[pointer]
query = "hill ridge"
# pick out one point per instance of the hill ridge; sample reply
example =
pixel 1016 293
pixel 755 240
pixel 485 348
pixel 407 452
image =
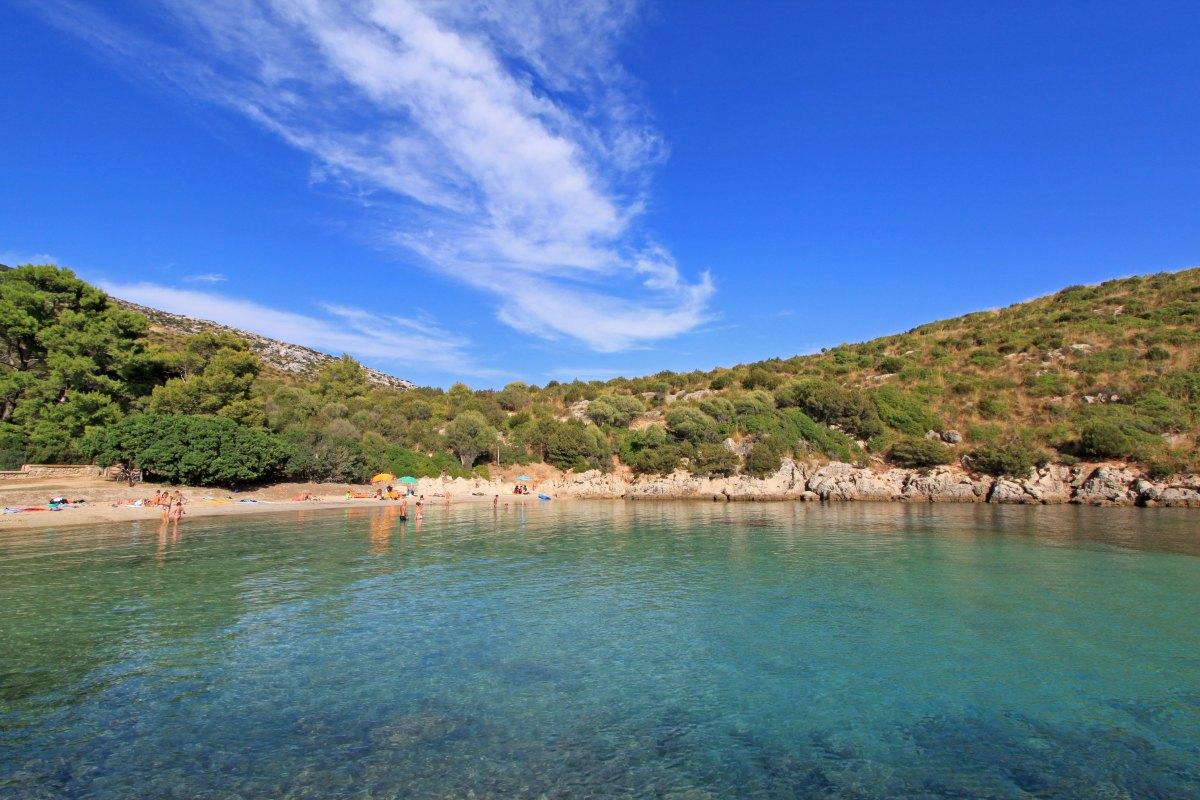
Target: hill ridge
pixel 289 357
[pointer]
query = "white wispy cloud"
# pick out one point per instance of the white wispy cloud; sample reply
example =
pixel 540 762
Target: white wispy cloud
pixel 206 277
pixel 12 258
pixel 505 130
pixel 375 337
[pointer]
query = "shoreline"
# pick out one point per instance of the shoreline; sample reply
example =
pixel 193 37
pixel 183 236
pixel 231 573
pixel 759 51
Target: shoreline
pixel 1104 484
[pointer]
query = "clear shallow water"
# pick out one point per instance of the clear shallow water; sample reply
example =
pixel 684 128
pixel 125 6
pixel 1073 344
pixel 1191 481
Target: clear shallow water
pixel 607 650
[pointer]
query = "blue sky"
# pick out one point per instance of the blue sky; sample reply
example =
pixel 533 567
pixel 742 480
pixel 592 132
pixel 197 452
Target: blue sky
pixel 492 190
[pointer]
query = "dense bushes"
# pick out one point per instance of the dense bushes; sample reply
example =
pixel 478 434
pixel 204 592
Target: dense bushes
pixel 849 409
pixel 616 410
pixel 574 445
pixel 714 459
pixel 1109 439
pixel 686 423
pixel 764 457
pixel 77 364
pixel 1012 458
pixel 905 412
pixel 919 453
pixel 183 448
pixel 650 451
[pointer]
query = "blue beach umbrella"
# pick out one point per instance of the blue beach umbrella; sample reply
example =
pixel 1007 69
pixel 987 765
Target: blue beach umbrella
pixel 408 479
pixel 524 478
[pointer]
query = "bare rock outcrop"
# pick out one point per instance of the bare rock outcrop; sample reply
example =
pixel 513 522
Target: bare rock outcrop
pixel 1084 484
pixel 946 485
pixel 1006 491
pixel 1184 493
pixel 1107 486
pixel 838 481
pixel 1049 485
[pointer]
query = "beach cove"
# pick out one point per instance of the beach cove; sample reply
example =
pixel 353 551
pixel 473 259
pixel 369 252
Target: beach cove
pixel 1104 484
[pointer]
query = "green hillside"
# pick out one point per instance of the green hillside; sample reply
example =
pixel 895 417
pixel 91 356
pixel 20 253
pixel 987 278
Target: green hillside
pixel 1096 372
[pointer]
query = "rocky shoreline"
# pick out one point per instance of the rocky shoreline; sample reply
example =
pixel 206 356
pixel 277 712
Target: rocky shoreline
pixel 1106 484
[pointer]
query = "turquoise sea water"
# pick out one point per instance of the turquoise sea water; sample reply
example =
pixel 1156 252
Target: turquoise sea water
pixel 607 650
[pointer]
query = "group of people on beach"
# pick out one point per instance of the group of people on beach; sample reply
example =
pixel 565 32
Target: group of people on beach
pixel 172 505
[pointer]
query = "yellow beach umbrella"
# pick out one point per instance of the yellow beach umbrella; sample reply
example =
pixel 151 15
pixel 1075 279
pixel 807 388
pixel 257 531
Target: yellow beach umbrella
pixel 383 477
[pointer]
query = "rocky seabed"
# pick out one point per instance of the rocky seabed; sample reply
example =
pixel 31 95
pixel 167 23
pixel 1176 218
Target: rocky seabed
pixel 1110 484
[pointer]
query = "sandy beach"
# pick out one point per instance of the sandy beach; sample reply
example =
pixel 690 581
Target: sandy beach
pixel 106 502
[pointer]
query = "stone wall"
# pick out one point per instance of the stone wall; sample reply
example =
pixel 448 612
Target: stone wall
pixel 51 471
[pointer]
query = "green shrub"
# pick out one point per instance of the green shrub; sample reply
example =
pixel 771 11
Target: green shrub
pixel 1168 465
pixel 1013 458
pixel 992 407
pixel 687 423
pixel 850 409
pixel 1157 413
pixel 1050 384
pixel 906 412
pixel 573 445
pixel 615 410
pixel 890 365
pixel 1183 385
pixel 1109 439
pixel 754 402
pixel 714 459
pixel 406 461
pixel 919 453
pixel 760 378
pixel 650 451
pixel 985 359
pixel 719 408
pixel 1157 353
pixel 764 458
